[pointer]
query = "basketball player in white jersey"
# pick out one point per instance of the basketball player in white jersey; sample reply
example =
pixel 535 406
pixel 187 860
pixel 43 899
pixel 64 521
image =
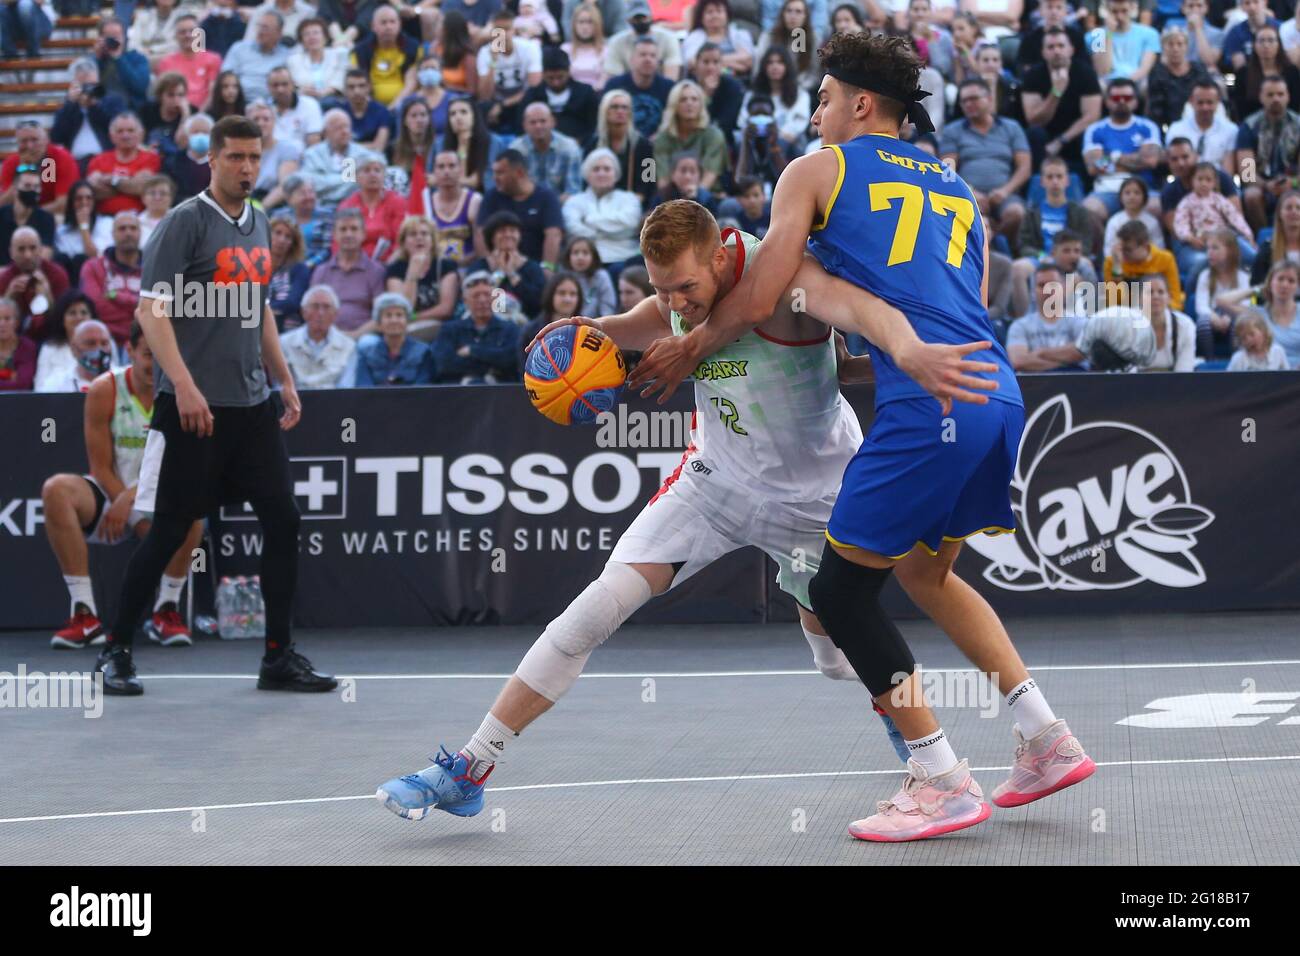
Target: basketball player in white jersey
pixel 99 508
pixel 771 439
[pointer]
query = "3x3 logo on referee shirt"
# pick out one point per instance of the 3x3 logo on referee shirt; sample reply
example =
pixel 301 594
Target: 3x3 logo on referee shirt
pixel 233 293
pixel 236 265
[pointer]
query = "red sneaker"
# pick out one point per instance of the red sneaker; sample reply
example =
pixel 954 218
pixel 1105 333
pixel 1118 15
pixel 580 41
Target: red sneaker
pixel 83 629
pixel 167 628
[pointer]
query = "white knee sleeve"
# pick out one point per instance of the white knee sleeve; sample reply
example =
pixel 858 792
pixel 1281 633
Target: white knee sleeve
pixel 554 662
pixel 830 660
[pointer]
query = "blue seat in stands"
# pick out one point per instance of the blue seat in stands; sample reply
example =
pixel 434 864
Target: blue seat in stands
pixel 1213 365
pixel 1073 192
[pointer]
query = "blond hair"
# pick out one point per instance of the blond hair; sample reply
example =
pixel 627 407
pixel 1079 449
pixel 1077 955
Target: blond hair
pixel 1253 320
pixel 669 122
pixel 411 223
pixel 597 36
pixel 678 225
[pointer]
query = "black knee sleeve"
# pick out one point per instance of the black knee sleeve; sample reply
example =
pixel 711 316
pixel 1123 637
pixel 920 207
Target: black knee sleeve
pixel 846 599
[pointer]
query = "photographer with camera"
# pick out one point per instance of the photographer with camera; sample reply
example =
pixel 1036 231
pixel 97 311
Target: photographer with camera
pixel 760 152
pixel 81 124
pixel 122 71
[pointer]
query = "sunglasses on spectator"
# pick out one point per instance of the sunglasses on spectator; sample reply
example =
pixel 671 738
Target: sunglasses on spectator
pixel 1122 97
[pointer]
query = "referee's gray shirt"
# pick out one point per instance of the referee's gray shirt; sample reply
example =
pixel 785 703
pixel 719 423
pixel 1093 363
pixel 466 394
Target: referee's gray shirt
pixel 214 272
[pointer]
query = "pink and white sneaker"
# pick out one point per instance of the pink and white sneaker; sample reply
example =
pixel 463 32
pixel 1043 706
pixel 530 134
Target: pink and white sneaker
pixel 926 807
pixel 1044 764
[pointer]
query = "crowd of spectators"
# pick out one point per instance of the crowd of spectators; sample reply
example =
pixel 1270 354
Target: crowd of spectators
pixel 443 177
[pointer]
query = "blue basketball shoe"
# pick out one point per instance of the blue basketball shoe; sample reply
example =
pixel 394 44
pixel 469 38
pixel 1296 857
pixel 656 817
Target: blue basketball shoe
pixel 446 785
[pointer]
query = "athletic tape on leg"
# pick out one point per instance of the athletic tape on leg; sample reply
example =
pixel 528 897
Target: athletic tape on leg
pixel 556 659
pixel 830 660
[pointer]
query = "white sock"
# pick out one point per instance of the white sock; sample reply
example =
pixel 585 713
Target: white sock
pixel 1029 709
pixel 79 592
pixel 830 660
pixel 487 745
pixel 169 591
pixel 933 752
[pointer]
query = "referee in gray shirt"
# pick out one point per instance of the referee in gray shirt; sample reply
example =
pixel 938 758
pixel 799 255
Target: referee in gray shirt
pixel 215 437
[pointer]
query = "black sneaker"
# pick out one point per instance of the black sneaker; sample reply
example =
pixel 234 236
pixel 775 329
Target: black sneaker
pixel 292 671
pixel 118 668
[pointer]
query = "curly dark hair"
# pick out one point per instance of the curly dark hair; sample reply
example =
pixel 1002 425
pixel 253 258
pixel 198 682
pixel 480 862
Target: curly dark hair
pixel 892 58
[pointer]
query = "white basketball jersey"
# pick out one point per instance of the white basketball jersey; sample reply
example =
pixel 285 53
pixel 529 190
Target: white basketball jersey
pixel 130 428
pixel 769 414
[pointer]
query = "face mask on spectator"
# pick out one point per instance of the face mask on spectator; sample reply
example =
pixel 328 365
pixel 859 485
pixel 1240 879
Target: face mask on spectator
pixel 29 197
pixel 431 76
pixel 199 143
pixel 95 362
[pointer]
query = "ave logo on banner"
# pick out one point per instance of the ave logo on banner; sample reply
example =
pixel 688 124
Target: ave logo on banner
pixel 1098 506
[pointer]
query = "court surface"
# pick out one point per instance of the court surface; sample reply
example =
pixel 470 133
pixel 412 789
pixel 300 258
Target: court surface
pixel 683 745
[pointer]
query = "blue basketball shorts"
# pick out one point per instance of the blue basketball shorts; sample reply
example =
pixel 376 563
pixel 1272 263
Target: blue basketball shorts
pixel 922 478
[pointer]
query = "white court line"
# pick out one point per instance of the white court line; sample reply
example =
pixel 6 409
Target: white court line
pixel 778 673
pixel 616 783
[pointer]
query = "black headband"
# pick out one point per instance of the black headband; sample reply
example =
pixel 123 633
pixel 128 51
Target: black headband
pixel 916 113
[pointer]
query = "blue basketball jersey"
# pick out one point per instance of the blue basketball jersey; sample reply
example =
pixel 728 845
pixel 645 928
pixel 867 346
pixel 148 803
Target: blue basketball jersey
pixel 898 228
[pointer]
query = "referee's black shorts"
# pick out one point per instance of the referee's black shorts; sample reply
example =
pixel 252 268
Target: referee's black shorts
pixel 244 458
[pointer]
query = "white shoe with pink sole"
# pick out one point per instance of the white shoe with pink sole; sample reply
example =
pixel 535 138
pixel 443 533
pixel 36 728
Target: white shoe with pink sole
pixel 926 807
pixel 1044 764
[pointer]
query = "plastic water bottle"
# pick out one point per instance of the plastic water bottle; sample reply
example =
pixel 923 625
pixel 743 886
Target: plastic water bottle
pixel 227 620
pixel 245 604
pixel 256 621
pixel 239 608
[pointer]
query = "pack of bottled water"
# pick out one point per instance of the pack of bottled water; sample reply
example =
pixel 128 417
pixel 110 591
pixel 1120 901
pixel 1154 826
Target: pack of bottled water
pixel 241 612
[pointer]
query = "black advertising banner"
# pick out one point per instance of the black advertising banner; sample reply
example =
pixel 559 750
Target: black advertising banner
pixel 431 506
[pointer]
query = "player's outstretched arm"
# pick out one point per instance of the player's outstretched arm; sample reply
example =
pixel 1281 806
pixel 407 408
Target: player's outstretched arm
pixel 942 370
pixel 794 207
pixel 631 331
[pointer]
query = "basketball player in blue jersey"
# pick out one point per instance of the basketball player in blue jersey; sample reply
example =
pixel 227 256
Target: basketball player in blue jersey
pixel 886 216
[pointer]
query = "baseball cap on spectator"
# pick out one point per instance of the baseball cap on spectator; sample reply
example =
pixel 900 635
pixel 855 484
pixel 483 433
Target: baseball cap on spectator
pixel 499 220
pixel 638 8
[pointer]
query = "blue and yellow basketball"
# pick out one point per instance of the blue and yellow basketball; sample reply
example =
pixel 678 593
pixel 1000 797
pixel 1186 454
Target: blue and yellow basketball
pixel 573 374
